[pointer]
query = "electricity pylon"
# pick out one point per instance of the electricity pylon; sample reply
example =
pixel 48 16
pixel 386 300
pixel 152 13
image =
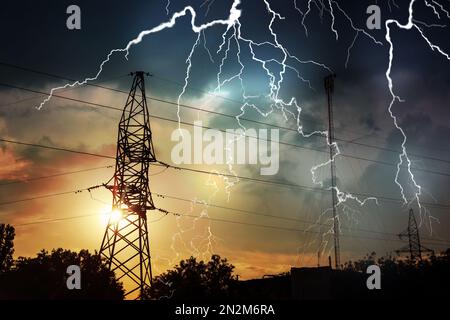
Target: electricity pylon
pixel 125 244
pixel 414 247
pixel 329 88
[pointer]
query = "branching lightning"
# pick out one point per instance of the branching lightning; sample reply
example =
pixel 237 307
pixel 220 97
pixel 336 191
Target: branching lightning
pixel 234 35
pixel 234 15
pixel 403 157
pixel 167 7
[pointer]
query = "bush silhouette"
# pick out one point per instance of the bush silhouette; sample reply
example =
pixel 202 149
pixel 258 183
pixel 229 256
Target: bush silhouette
pixel 193 280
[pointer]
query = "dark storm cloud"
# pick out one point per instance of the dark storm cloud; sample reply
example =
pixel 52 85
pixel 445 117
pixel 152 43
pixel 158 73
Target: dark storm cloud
pixel 369 122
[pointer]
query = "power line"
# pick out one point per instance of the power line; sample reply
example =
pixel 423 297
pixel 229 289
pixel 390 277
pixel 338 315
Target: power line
pixel 43 196
pixel 152 116
pixel 292 129
pixel 270 226
pixel 54 220
pixel 242 211
pixel 56 148
pixel 205 127
pixel 53 175
pixel 60 97
pixel 303 187
pixel 51 220
pixel 182 84
pixel 209 111
pixel 62 90
pixel 432 241
pixel 272 182
pixel 216 112
pixel 173 213
pixel 180 199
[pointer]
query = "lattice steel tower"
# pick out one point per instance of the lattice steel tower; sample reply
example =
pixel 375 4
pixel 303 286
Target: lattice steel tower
pixel 414 247
pixel 125 244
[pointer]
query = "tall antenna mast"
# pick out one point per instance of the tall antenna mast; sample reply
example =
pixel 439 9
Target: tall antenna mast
pixel 329 88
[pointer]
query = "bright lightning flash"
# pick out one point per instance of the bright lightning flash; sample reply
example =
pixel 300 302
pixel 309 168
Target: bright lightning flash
pixel 289 108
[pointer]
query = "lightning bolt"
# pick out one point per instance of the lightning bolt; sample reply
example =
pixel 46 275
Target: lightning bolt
pixel 199 30
pixel 403 157
pixel 289 108
pixel 234 15
pixel 167 7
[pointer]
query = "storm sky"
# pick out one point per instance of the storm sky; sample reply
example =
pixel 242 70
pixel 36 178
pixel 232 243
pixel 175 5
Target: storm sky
pixel 34 36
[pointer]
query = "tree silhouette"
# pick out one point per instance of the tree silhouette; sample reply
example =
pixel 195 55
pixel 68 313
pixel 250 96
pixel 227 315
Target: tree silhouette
pixel 44 277
pixel 7 234
pixel 194 280
pixel 401 277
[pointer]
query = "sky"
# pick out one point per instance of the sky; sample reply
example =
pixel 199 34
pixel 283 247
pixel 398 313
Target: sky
pixel 276 226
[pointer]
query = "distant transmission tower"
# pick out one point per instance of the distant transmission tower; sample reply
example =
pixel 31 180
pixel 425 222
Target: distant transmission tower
pixel 125 244
pixel 414 247
pixel 329 88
